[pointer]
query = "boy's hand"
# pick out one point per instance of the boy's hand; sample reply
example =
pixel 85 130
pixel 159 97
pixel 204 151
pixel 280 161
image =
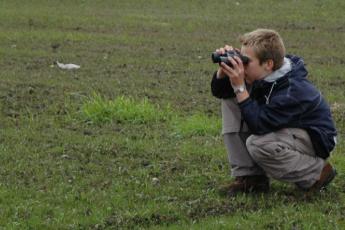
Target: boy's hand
pixel 223 50
pixel 236 74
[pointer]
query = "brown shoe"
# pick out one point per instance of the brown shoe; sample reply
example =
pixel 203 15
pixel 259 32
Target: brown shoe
pixel 327 175
pixel 246 184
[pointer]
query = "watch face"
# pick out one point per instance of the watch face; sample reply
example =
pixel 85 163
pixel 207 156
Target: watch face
pixel 239 89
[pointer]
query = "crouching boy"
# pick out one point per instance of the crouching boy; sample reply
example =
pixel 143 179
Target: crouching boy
pixel 276 124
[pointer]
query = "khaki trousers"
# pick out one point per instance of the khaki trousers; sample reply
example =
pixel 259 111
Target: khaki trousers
pixel 286 155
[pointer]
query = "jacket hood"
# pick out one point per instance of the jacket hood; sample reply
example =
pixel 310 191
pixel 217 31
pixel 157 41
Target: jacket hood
pixel 298 70
pixel 281 72
pixel 297 67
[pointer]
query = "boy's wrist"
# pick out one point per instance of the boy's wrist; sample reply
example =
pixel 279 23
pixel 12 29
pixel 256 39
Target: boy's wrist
pixel 239 89
pixel 242 96
pixel 220 75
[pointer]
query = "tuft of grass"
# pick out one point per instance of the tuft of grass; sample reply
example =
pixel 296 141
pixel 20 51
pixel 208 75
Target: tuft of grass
pixel 122 109
pixel 126 110
pixel 197 124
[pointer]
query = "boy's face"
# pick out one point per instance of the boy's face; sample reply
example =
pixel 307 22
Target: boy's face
pixel 253 70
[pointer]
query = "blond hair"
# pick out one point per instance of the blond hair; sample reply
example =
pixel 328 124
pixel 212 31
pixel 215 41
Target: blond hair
pixel 267 44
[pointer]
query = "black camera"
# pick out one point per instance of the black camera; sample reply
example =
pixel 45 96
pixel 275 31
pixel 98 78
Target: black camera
pixel 218 58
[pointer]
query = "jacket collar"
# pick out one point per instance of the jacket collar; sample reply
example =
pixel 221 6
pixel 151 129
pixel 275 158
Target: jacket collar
pixel 262 87
pixel 282 71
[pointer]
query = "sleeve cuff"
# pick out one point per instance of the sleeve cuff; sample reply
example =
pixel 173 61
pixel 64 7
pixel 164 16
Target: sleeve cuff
pixel 245 102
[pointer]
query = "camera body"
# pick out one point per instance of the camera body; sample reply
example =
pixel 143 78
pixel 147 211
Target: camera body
pixel 218 58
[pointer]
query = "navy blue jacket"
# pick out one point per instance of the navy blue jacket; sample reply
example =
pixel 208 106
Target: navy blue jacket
pixel 293 103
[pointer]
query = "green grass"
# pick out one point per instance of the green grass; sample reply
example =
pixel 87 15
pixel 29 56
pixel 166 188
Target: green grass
pixel 145 151
pixel 99 110
pixel 197 124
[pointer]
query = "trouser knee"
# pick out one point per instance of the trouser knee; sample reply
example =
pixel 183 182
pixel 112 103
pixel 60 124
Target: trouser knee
pixel 258 147
pixel 251 145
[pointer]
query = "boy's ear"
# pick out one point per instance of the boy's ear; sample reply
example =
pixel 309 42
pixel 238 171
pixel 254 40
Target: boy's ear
pixel 269 65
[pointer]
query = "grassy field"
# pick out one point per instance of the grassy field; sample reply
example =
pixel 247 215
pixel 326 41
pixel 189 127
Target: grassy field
pixel 132 140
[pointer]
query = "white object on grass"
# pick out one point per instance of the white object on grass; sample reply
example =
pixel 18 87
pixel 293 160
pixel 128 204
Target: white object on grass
pixel 67 66
pixel 155 180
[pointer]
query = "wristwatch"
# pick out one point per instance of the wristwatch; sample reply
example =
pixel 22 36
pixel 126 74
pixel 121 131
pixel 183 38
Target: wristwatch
pixel 239 89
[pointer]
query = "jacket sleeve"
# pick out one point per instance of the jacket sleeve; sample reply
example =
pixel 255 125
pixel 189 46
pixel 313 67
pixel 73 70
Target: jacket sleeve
pixel 265 118
pixel 221 88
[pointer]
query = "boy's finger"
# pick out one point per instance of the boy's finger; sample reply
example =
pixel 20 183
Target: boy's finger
pixel 228 48
pixel 233 62
pixel 239 61
pixel 227 69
